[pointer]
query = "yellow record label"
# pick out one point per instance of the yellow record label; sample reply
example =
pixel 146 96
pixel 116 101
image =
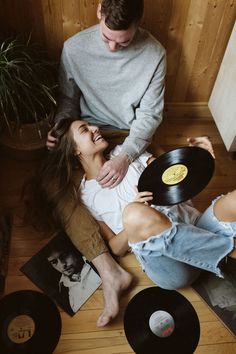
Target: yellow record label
pixel 174 174
pixel 21 329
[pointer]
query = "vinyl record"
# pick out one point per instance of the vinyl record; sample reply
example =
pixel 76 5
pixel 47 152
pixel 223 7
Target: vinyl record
pixel 161 321
pixel 30 323
pixel 177 175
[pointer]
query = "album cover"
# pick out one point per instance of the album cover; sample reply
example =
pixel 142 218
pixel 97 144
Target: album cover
pixel 63 274
pixel 220 296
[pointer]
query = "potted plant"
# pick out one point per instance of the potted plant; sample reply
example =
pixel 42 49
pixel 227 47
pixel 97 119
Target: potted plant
pixel 27 93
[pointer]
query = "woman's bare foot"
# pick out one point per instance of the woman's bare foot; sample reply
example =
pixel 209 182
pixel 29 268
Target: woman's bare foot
pixel 115 280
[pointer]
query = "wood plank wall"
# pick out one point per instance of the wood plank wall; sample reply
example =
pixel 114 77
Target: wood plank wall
pixel 194 32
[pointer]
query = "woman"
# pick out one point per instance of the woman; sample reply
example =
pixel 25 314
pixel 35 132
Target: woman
pixel 52 205
pixel 173 244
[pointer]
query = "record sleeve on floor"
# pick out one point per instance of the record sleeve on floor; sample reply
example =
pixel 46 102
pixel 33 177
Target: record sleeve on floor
pixel 220 294
pixel 63 273
pixel 161 321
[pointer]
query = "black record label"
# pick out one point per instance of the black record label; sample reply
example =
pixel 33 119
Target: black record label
pixel 30 323
pixel 177 175
pixel 161 321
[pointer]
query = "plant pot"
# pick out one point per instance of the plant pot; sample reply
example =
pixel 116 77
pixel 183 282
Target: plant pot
pixel 27 142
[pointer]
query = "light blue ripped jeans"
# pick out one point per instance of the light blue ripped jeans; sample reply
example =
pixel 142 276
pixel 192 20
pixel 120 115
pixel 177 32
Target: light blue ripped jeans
pixel 176 258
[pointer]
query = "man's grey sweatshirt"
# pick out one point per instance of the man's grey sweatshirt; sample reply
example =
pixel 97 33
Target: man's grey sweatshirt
pixel 122 89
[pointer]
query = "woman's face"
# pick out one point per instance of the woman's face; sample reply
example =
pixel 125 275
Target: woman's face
pixel 87 138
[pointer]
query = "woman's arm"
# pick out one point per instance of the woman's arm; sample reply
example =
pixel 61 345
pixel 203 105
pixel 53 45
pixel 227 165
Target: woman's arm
pixel 117 243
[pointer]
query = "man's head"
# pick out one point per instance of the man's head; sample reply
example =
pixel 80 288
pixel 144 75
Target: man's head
pixel 121 14
pixel 119 20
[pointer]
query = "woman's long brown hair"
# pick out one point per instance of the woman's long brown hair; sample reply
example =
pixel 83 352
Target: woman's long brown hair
pixel 50 197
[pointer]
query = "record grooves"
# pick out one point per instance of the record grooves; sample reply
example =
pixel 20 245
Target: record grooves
pixel 30 323
pixel 175 327
pixel 177 175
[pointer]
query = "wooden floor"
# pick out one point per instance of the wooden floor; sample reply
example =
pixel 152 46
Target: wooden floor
pixel 80 334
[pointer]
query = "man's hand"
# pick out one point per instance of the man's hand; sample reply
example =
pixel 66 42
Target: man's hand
pixel 51 141
pixel 113 171
pixel 202 142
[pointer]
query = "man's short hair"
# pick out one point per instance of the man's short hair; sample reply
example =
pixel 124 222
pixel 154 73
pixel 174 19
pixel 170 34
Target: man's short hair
pixel 121 14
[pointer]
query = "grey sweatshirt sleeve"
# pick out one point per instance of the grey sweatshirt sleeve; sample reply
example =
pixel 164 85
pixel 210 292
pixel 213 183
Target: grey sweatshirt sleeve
pixel 148 113
pixel 69 92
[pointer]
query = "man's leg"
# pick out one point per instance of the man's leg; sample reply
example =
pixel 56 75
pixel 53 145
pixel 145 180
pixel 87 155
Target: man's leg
pixel 115 280
pixel 84 232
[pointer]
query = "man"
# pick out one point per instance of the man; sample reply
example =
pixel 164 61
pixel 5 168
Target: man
pixel 112 75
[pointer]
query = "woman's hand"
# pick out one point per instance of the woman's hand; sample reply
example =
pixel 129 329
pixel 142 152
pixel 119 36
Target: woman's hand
pixel 143 197
pixel 202 142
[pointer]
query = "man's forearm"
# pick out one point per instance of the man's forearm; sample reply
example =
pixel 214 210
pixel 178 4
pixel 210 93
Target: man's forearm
pixel 148 114
pixel 139 139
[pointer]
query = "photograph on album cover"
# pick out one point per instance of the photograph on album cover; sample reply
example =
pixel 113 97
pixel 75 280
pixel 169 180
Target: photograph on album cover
pixel 63 273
